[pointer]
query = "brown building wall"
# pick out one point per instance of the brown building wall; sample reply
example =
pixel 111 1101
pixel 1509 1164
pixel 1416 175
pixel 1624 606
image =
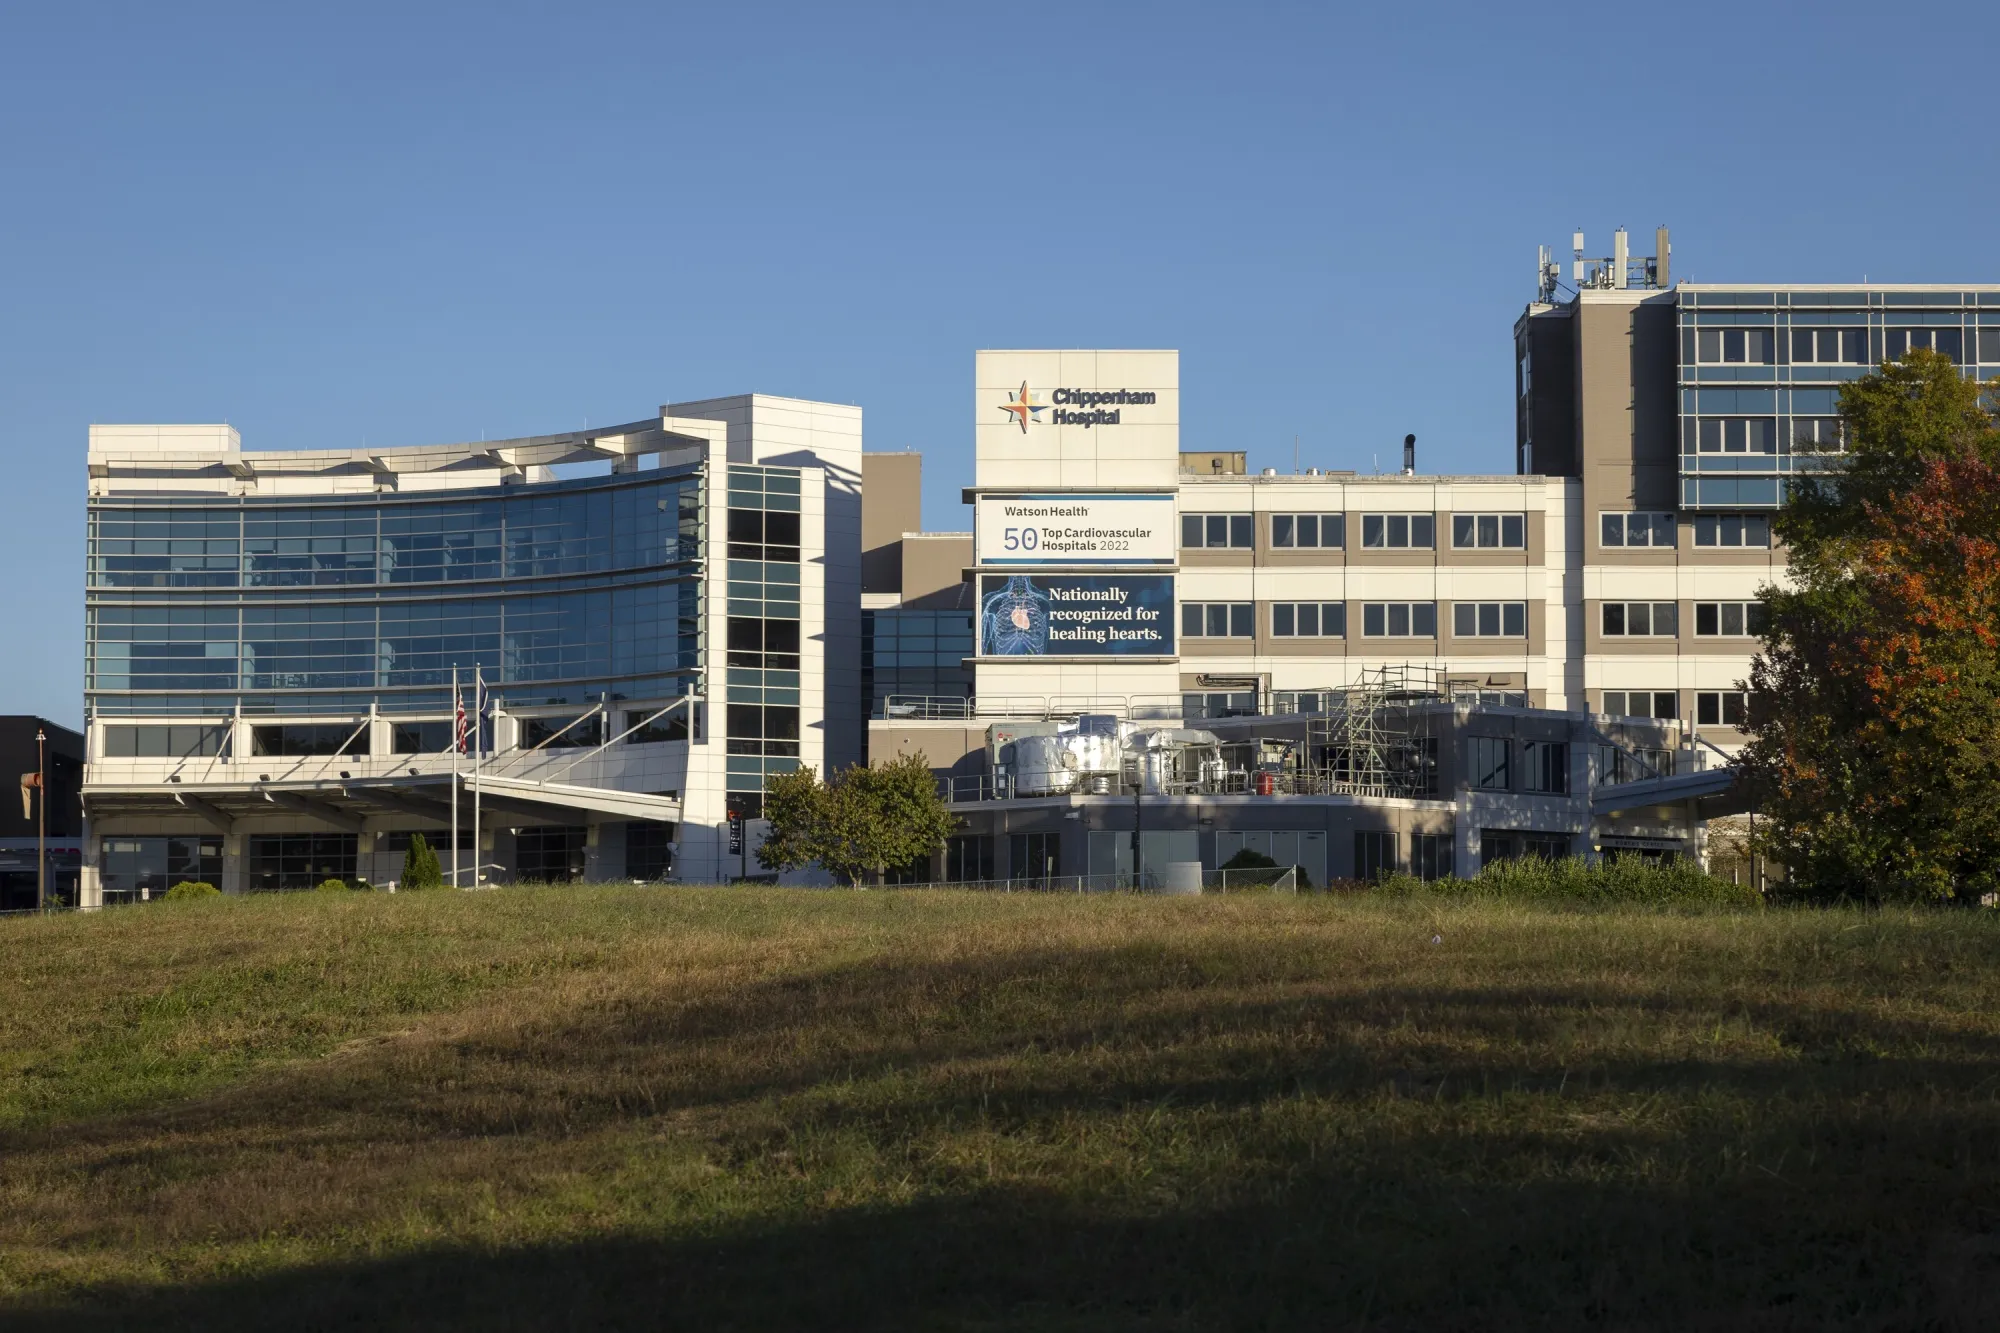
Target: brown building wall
pixel 891 505
pixel 933 570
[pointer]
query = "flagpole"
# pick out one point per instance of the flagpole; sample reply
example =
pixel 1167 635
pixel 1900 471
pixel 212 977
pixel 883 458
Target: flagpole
pixel 457 742
pixel 478 704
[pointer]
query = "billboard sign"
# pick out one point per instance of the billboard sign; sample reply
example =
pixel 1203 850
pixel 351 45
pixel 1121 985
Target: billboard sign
pixel 1054 615
pixel 1076 530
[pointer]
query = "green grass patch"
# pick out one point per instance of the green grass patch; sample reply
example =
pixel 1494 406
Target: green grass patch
pixel 599 1107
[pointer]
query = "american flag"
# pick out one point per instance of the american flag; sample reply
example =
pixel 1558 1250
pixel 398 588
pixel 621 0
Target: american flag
pixel 458 734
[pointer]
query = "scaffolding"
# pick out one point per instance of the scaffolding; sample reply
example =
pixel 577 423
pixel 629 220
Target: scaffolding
pixel 1366 742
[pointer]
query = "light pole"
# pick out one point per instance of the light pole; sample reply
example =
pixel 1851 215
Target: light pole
pixel 42 820
pixel 1138 816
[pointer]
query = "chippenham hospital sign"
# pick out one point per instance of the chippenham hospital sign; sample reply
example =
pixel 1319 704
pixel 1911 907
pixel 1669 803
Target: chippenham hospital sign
pixel 1076 529
pixel 1073 407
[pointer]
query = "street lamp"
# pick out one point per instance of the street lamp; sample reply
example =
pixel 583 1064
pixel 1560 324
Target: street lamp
pixel 42 820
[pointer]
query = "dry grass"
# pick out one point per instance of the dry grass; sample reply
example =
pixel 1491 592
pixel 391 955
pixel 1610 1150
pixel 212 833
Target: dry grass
pixel 728 1108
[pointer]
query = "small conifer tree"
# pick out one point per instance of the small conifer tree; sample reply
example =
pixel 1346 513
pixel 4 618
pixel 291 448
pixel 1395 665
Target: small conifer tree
pixel 420 865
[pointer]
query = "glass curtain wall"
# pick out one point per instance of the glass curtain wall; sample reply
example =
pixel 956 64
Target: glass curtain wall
pixel 560 593
pixel 1760 376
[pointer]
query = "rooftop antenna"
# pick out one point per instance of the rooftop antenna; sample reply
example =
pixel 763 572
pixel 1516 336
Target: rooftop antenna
pixel 1295 455
pixel 1409 455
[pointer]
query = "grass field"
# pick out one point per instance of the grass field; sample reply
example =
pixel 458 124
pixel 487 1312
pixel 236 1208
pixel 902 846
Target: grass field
pixel 746 1109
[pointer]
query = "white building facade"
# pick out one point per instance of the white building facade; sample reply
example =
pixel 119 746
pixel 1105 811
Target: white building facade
pixel 1094 525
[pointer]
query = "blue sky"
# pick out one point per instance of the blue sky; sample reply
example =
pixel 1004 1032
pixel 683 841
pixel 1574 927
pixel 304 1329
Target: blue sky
pixel 416 223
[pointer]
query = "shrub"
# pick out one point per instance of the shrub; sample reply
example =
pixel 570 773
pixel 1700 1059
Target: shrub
pixel 330 886
pixel 191 888
pixel 420 865
pixel 1573 880
pixel 1248 859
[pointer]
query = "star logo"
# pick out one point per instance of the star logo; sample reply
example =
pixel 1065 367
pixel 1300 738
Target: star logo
pixel 1022 406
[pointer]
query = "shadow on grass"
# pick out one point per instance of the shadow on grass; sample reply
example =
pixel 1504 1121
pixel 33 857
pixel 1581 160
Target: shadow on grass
pixel 1839 1176
pixel 1378 1252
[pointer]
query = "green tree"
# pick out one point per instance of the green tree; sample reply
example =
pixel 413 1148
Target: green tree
pixel 420 865
pixel 1875 703
pixel 862 822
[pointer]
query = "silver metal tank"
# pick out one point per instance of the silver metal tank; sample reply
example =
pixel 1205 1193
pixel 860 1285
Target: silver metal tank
pixel 1044 765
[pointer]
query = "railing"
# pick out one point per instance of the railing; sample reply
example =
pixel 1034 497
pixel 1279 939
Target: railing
pixel 970 787
pixel 1188 704
pixel 1277 879
pixel 1147 882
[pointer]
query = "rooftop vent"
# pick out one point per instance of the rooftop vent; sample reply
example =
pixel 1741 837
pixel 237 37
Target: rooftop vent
pixel 1409 455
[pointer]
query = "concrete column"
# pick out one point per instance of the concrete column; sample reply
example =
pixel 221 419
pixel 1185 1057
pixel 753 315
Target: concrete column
pixel 1465 839
pixel 235 867
pixel 89 877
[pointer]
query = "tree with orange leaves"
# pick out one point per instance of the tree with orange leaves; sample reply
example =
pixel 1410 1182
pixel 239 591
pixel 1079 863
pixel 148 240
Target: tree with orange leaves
pixel 1875 703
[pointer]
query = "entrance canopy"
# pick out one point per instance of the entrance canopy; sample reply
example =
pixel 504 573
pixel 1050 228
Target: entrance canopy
pixel 346 804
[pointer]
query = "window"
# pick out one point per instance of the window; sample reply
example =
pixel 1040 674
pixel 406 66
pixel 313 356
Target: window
pixel 1616 766
pixel 279 861
pixel 672 727
pixel 310 738
pixel 766 729
pixel 1739 435
pixel 649 851
pixel 1486 620
pixel 1243 704
pixel 770 644
pixel 1545 767
pixel 1032 856
pixel 561 733
pixel 1326 531
pixel 1374 854
pixel 760 534
pixel 1399 531
pixel 1489 531
pixel 1497 845
pixel 421 737
pixel 1897 343
pixel 1732 530
pixel 1642 703
pixel 550 855
pixel 1818 435
pixel 1989 346
pixel 1417 765
pixel 1728 619
pixel 1636 529
pixel 184 741
pixel 1430 855
pixel 968 859
pixel 1309 620
pixel 1489 757
pixel 1721 708
pixel 1721 347
pixel 1223 530
pixel 134 869
pixel 1847 347
pixel 1218 620
pixel 438 840
pixel 1399 620
pixel 1640 620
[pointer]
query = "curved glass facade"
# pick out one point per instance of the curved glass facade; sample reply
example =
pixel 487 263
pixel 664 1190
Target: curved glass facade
pixel 560 591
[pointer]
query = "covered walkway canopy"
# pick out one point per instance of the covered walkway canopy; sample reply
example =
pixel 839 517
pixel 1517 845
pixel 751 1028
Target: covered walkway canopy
pixel 346 804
